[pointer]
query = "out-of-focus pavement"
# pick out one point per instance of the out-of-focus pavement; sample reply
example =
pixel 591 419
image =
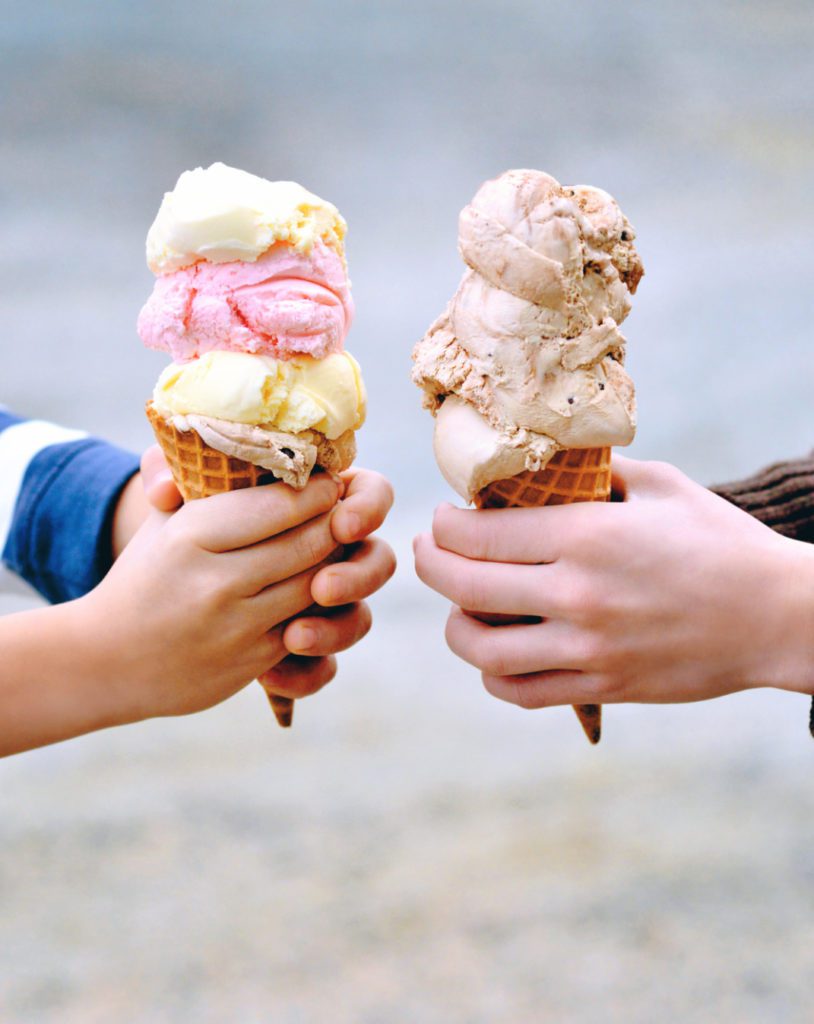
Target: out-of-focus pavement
pixel 414 851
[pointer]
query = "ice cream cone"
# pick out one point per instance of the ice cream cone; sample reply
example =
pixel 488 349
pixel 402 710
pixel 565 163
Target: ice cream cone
pixel 252 301
pixel 199 472
pixel 575 474
pixel 283 708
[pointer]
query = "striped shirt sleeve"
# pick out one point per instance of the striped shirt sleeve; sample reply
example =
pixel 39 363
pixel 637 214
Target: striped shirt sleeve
pixel 58 492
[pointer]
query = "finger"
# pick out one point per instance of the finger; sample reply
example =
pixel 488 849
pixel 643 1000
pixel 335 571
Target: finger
pixel 259 565
pixel 514 650
pixel 530 536
pixel 297 677
pixel 545 689
pixel 488 586
pixel 497 535
pixel 282 601
pixel 633 478
pixel 369 567
pixel 224 522
pixel 368 499
pixel 159 487
pixel 268 652
pixel 332 631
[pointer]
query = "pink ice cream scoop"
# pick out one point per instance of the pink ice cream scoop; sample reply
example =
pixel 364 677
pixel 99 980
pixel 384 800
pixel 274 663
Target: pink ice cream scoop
pixel 284 304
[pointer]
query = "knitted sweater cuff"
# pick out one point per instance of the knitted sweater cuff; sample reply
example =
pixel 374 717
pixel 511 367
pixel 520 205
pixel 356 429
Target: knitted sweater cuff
pixel 781 496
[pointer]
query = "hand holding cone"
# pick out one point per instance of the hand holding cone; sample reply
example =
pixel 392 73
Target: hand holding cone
pixel 575 474
pixel 252 301
pixel 527 359
pixel 199 472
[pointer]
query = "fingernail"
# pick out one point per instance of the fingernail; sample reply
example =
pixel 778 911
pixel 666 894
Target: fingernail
pixel 306 638
pixel 332 587
pixel 445 506
pixel 353 524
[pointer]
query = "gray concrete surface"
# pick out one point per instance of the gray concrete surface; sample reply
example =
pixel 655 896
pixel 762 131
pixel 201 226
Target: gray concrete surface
pixel 414 851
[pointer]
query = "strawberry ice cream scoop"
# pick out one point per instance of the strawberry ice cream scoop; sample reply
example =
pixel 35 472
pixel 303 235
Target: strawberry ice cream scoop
pixel 285 303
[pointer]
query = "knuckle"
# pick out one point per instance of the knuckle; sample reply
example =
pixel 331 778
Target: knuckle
pixel 664 472
pixel 389 562
pixel 313 680
pixel 592 649
pixel 467 591
pixel 481 536
pixel 274 650
pixel 609 688
pixel 513 691
pixel 314 544
pixel 420 558
pixel 281 501
pixel 212 591
pixel 388 495
pixel 524 696
pixel 466 595
pixel 452 629
pixel 364 620
pixel 578 601
pixel 491 658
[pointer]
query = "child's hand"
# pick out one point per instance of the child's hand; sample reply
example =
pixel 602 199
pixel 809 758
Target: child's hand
pixel 339 589
pixel 669 595
pixel 156 477
pixel 340 617
pixel 153 487
pixel 196 605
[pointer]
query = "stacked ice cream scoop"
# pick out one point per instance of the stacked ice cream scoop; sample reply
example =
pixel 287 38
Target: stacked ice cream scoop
pixel 253 304
pixel 524 369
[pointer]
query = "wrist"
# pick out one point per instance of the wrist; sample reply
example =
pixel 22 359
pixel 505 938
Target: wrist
pixel 131 511
pixel 788 662
pixel 112 697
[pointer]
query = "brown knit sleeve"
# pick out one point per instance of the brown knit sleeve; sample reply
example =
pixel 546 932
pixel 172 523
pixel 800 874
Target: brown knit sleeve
pixel 781 496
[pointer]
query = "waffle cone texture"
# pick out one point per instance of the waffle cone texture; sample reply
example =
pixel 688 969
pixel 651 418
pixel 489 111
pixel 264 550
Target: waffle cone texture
pixel 575 474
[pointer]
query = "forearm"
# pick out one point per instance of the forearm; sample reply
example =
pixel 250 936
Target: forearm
pixel 52 685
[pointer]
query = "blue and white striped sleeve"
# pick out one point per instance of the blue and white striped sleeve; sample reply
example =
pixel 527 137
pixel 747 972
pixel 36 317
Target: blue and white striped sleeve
pixel 58 492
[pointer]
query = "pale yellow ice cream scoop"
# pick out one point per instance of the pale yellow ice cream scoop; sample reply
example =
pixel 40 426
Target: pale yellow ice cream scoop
pixel 221 214
pixel 290 395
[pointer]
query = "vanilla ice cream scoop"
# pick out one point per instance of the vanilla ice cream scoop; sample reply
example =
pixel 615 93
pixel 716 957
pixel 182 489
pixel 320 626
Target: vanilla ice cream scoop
pixel 253 303
pixel 529 345
pixel 221 214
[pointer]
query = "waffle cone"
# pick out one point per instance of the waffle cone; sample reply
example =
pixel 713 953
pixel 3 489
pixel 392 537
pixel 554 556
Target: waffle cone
pixel 575 474
pixel 200 471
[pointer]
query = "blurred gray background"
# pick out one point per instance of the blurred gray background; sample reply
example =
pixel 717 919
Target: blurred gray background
pixel 413 851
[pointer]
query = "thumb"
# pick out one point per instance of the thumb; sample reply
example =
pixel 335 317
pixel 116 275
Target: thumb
pixel 159 486
pixel 633 478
